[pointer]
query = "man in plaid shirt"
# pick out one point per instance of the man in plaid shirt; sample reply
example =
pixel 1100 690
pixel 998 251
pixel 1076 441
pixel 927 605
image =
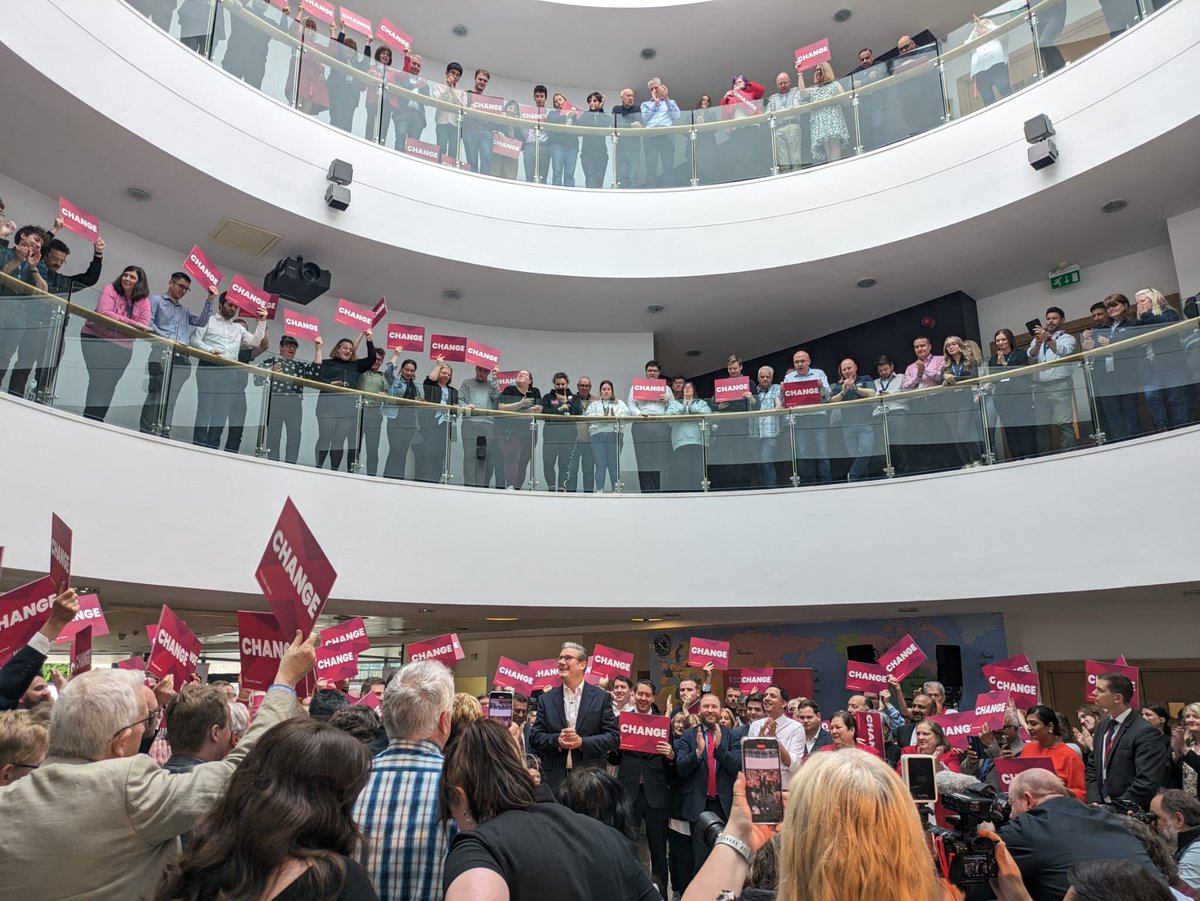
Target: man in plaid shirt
pixel 404 845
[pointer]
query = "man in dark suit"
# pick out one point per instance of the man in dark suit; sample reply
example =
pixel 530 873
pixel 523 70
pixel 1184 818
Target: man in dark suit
pixel 708 761
pixel 1051 830
pixel 1129 758
pixel 26 664
pixel 575 724
pixel 643 778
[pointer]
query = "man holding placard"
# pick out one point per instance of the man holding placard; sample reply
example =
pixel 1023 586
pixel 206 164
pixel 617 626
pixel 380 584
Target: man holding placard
pixel 287 397
pixel 216 382
pixel 643 777
pixel 651 440
pixel 812 464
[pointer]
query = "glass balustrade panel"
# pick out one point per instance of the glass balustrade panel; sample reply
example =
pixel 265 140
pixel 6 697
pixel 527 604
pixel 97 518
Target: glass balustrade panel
pixel 258 47
pixel 987 59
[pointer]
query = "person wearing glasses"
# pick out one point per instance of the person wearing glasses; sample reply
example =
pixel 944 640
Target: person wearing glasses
pixel 575 725
pixel 919 89
pixel 126 812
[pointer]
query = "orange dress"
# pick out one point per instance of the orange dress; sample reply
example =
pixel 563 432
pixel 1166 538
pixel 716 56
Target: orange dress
pixel 1067 765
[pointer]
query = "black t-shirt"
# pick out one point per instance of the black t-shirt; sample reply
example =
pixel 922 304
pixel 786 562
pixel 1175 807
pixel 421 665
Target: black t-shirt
pixel 552 852
pixel 511 395
pixel 357 887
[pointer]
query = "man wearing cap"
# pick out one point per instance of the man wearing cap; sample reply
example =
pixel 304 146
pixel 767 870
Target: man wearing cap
pixel 287 397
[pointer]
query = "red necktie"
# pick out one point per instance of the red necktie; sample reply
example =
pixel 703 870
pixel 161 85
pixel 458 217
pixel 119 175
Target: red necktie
pixel 712 769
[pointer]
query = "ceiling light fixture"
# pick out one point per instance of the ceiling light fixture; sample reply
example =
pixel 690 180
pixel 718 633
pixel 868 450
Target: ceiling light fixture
pixel 501 619
pixel 691 353
pixel 452 294
pixel 1114 206
pixel 141 195
pixel 649 53
pixel 866 282
pixel 842 15
pixel 459 31
pixel 426 610
pixel 655 308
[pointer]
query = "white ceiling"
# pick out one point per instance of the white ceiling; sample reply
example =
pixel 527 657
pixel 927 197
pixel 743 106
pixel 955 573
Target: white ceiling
pixel 700 46
pixel 54 152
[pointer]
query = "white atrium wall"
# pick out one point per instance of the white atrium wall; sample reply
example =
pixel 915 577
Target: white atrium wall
pixel 1185 238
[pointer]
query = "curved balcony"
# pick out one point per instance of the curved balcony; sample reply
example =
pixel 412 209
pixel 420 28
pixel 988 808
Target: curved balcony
pixel 748 138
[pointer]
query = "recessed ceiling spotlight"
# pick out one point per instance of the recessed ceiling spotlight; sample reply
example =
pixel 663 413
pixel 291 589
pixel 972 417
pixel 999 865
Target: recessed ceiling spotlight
pixel 426 610
pixel 691 353
pixel 655 308
pixel 501 619
pixel 141 195
pixel 649 53
pixel 1114 206
pixel 459 31
pixel 866 283
pixel 842 15
pixel 452 294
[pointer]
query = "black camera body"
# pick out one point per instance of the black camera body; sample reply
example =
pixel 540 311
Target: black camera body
pixel 1129 809
pixel 971 857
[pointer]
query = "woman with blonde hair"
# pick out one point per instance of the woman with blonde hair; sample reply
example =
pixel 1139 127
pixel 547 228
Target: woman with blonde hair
pixel 850 830
pixel 1163 373
pixel 1185 750
pixel 827 129
pixel 962 411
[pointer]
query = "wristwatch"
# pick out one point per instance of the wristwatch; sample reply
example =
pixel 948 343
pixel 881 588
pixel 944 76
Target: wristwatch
pixel 736 843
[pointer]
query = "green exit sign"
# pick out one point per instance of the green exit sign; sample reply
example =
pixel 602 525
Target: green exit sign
pixel 1065 278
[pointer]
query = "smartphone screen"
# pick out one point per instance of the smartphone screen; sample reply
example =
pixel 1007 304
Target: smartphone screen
pixel 917 770
pixel 500 706
pixel 764 780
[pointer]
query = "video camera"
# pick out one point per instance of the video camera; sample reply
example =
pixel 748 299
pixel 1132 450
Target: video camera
pixel 1129 809
pixel 965 857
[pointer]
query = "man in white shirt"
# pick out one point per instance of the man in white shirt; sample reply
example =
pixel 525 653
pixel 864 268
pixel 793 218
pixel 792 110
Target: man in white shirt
pixel 651 440
pixel 1053 390
pixel 889 384
pixel 216 382
pixel 812 464
pixel 789 733
pixel 789 138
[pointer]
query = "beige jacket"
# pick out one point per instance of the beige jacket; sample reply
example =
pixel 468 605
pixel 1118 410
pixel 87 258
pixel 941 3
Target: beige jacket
pixel 104 830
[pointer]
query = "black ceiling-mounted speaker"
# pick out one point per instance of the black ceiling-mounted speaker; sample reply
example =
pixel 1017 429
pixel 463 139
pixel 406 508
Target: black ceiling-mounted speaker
pixel 862 653
pixel 949 665
pixel 296 280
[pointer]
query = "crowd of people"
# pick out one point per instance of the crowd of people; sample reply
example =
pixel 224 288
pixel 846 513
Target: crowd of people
pixel 332 80
pixel 932 421
pixel 206 792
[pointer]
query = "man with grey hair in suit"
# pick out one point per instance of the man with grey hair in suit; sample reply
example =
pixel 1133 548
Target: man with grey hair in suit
pixel 98 820
pixel 575 725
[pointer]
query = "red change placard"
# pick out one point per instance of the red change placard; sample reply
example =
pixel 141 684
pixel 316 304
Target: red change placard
pixel 261 644
pixel 649 389
pixel 1023 686
pixel 533 113
pixel 378 312
pixel 545 674
pixel 1093 669
pixel 198 266
pixel 608 661
pixel 370 699
pixel 486 103
pixel 359 23
pixel 642 732
pixel 725 390
pixel 60 553
pixel 868 729
pixel 250 299
pixel 813 55
pixel 23 611
pixel 89 615
pixel 453 163
pixel 81 652
pixel 336 663
pixel 351 314
pixel 481 355
pixel 449 347
pixel 76 220
pixel 705 650
pixel 503 145
pixel 445 649
pixel 176 650
pixel 136 663
pixel 405 337
pixel 513 675
pixel 750 679
pixel 958 727
pixel 1008 767
pixel 299 325
pixel 423 149
pixel 990 709
pixel 509 377
pixel 1020 663
pixel 865 676
pixel 352 632
pixel 801 394
pixel 321 10
pixel 294 573
pixel 902 658
pixel 393 36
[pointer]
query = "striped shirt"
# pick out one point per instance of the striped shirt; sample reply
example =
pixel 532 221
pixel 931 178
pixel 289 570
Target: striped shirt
pixel 404 846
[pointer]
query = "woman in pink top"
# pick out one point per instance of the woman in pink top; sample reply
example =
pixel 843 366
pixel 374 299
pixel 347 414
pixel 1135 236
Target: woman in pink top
pixel 106 351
